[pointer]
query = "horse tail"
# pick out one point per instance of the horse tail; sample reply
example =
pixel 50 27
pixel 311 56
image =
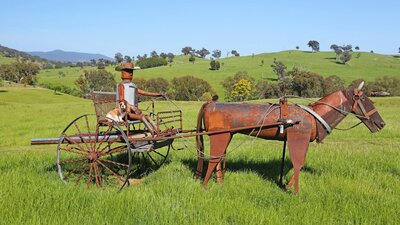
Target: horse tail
pixel 200 142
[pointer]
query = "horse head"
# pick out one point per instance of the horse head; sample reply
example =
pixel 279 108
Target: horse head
pixel 364 109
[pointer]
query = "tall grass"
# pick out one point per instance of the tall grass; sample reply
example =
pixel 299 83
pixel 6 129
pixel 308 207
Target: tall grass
pixel 352 178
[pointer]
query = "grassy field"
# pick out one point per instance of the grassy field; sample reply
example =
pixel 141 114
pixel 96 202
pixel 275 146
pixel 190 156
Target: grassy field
pixel 368 67
pixel 6 60
pixel 353 178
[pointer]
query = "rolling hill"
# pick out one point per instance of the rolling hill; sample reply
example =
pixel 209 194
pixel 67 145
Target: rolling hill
pixel 66 56
pixel 368 66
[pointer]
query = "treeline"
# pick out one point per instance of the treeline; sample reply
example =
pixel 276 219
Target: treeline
pixel 19 72
pixel 186 88
pixel 241 86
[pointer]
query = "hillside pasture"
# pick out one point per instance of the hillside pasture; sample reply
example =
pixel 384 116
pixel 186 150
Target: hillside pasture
pixel 352 178
pixel 367 67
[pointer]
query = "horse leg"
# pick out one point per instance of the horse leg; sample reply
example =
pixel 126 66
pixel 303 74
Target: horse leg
pixel 298 140
pixel 220 176
pixel 218 145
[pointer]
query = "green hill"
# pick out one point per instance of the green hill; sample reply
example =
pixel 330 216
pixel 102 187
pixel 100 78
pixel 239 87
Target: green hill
pixel 368 66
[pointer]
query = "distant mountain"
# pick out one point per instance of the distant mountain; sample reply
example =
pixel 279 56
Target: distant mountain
pixel 64 56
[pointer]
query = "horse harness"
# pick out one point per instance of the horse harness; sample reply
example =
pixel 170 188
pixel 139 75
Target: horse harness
pixel 358 97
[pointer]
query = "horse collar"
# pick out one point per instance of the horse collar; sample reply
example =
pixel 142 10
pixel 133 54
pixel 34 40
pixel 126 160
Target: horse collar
pixel 318 117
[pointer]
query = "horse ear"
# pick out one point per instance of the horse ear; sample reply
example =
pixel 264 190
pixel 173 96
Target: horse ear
pixel 361 85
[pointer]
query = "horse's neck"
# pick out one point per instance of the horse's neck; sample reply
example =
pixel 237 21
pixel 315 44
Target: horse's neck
pixel 332 116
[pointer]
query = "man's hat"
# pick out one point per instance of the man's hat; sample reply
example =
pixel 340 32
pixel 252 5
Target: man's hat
pixel 127 66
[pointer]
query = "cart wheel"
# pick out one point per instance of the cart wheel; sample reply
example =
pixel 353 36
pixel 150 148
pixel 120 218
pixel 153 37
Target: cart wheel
pixel 93 150
pixel 145 162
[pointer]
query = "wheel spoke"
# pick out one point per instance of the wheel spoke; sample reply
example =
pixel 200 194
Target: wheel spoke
pixel 74 170
pixel 117 149
pixel 113 162
pixel 96 175
pixel 90 175
pixel 74 142
pixel 72 160
pixel 105 136
pixel 164 156
pixel 81 175
pixel 111 171
pixel 80 136
pixel 73 151
pixel 92 143
pixel 152 159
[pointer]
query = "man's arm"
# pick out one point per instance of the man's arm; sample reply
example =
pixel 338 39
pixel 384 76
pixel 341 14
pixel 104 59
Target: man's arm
pixel 146 93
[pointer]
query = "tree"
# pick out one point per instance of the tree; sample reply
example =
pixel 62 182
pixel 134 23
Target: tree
pixel 297 47
pixel 192 58
pixel 139 57
pixel 216 54
pixel 158 84
pixel 20 72
pixel 332 83
pixel 202 52
pixel 334 47
pixel 271 90
pixel 128 58
pixel 93 62
pixel 228 83
pixel 399 50
pixel 241 90
pixel 154 54
pixel 235 53
pixel 171 57
pixel 346 56
pixel 118 57
pixel 357 48
pixel 187 50
pixel 314 45
pixel 189 88
pixel 279 69
pixel 98 80
pixel 163 55
pixel 307 84
pixel 101 64
pixel 214 65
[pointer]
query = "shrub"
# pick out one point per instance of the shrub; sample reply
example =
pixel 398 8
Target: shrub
pixel 98 80
pixel 214 65
pixel 229 82
pixel 145 63
pixel 241 90
pixel 189 88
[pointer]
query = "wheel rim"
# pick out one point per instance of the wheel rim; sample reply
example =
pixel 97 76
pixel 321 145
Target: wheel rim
pixel 93 152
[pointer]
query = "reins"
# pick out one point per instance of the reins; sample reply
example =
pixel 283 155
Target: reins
pixel 333 107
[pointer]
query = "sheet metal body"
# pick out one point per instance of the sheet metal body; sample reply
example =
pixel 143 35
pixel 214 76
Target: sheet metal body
pixel 330 110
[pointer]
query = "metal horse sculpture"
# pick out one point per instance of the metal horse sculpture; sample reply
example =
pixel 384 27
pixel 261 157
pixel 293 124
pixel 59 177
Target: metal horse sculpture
pixel 295 124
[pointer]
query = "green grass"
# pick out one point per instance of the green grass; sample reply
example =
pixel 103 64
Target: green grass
pixel 353 178
pixel 6 60
pixel 368 67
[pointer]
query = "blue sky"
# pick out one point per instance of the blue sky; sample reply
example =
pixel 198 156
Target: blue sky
pixel 138 27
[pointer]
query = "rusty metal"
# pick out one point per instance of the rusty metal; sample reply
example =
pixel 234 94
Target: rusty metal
pixel 92 156
pixel 227 117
